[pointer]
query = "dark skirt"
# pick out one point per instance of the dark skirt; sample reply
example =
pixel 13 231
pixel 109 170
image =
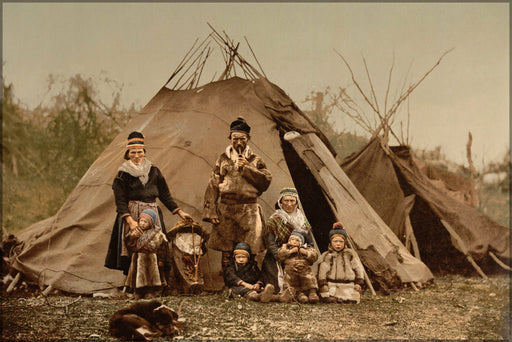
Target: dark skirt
pixel 270 271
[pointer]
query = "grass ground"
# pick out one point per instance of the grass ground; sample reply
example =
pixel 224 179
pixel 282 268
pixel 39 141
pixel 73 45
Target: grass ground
pixel 453 308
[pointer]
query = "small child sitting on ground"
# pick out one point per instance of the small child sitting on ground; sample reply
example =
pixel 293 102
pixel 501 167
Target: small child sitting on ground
pixel 340 273
pixel 299 280
pixel 243 277
pixel 144 277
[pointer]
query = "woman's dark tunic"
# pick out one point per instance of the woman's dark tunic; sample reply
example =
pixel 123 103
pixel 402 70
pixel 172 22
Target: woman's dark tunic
pixel 128 188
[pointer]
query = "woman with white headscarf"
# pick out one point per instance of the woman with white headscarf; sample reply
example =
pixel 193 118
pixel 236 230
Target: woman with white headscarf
pixel 287 218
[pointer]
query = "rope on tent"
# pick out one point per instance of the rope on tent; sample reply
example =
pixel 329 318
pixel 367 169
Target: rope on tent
pixel 463 248
pixel 499 262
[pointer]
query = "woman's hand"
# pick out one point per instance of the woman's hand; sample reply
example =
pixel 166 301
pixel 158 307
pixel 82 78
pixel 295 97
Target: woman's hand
pixel 185 216
pixel 358 288
pixel 303 251
pixel 134 226
pixel 256 287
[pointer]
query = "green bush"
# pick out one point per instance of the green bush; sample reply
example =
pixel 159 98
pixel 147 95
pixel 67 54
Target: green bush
pixel 45 151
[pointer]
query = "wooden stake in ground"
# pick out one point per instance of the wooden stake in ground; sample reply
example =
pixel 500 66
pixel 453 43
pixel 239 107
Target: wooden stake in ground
pixel 15 281
pixel 463 248
pixel 471 171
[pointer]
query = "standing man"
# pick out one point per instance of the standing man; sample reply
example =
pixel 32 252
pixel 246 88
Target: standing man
pixel 230 201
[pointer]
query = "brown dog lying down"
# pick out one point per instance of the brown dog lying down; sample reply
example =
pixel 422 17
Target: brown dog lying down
pixel 143 321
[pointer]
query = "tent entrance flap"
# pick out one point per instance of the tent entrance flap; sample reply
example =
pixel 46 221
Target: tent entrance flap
pixel 379 248
pixel 312 196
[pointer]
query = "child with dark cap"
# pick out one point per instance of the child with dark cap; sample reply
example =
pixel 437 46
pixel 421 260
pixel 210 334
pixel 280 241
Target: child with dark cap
pixel 243 277
pixel 299 281
pixel 340 273
pixel 144 277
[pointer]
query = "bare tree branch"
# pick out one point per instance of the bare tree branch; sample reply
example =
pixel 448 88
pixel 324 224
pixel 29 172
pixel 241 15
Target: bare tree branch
pixel 371 85
pixel 389 83
pixel 357 84
pixel 413 86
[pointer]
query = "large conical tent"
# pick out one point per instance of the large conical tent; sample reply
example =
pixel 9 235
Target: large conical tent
pixel 186 127
pixel 447 230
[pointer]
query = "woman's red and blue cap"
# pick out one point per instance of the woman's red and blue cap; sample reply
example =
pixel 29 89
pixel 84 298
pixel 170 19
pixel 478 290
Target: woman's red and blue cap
pixel 135 140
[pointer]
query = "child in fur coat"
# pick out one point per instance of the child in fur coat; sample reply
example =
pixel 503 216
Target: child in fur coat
pixel 243 277
pixel 340 273
pixel 299 281
pixel 144 277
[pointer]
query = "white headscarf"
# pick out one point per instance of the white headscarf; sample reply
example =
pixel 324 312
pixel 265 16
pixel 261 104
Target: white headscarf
pixel 296 219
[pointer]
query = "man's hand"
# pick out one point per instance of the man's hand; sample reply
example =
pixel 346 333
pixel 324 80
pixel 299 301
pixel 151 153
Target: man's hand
pixel 256 287
pixel 242 162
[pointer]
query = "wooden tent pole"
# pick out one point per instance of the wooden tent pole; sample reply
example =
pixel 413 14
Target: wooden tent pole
pixel 415 288
pixel 366 278
pixel 14 282
pixel 464 249
pixel 499 262
pixel 412 237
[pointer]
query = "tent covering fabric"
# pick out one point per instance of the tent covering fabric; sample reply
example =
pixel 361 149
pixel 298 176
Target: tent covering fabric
pixel 185 131
pixel 374 241
pixel 389 177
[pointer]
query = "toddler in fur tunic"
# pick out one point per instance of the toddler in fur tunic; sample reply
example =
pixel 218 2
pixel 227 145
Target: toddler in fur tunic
pixel 144 275
pixel 340 273
pixel 299 280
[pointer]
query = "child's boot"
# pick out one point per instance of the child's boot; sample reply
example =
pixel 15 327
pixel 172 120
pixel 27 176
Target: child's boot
pixel 302 298
pixel 252 295
pixel 313 297
pixel 275 298
pixel 267 293
pixel 329 299
pixel 286 296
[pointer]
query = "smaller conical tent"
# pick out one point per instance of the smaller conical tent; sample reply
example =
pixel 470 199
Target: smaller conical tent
pixel 185 128
pixel 446 230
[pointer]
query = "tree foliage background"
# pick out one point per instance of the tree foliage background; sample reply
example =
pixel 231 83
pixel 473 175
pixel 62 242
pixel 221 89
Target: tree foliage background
pixel 45 151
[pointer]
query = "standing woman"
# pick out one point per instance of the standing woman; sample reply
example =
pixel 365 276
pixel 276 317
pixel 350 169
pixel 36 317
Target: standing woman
pixel 136 187
pixel 287 218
